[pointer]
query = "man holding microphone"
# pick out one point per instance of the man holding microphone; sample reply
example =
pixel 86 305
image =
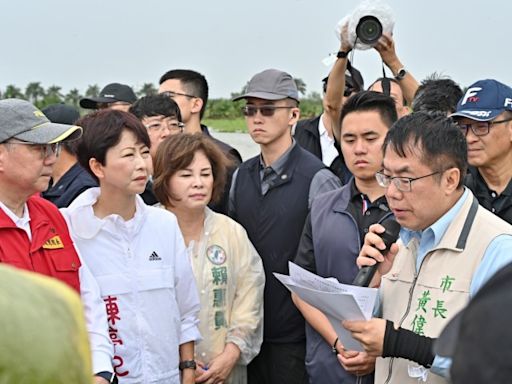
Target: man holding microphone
pixel 448 248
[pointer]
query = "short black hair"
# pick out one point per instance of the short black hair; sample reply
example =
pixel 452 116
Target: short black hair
pixel 102 131
pixel 194 83
pixel 437 93
pixel 371 101
pixel 155 105
pixel 440 142
pixel 389 80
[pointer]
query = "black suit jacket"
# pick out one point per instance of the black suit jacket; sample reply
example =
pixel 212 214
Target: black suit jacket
pixel 308 137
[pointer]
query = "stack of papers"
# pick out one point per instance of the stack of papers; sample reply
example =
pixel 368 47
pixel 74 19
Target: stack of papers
pixel 337 301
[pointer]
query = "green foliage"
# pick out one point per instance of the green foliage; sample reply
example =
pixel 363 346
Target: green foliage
pixel 147 89
pixel 226 125
pixel 92 90
pixel 13 92
pixel 219 110
pixel 73 97
pixel 223 109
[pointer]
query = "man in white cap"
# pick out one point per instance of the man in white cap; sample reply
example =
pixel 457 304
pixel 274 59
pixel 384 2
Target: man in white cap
pixel 33 234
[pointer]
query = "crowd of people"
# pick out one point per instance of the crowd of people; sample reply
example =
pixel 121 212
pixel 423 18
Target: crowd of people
pixel 165 241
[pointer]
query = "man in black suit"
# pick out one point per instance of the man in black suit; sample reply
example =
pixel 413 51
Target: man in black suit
pixel 316 135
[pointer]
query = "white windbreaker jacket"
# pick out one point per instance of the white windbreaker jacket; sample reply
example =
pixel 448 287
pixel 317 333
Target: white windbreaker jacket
pixel 146 282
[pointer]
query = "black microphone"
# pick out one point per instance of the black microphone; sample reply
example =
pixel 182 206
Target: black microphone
pixel 389 236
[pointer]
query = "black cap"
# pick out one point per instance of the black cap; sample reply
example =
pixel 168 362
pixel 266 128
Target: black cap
pixel 479 338
pixel 354 81
pixel 110 94
pixel 61 114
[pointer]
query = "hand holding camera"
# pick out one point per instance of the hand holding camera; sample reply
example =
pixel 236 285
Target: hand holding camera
pixel 366 24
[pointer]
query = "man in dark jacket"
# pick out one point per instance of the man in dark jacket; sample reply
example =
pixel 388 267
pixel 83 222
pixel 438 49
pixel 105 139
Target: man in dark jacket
pixel 336 226
pixel 270 196
pixel 69 179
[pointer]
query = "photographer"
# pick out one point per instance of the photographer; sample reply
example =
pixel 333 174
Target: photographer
pixel 408 84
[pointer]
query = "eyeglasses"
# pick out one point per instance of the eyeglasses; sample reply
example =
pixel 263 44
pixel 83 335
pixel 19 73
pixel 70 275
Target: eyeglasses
pixel 170 124
pixel 403 184
pixel 480 128
pixel 265 110
pixel 172 94
pixel 46 150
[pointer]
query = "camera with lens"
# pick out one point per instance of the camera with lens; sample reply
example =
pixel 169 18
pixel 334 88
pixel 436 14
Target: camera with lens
pixel 369 30
pixel 367 23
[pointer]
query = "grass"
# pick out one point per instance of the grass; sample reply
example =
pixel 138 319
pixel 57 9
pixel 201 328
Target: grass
pixel 226 125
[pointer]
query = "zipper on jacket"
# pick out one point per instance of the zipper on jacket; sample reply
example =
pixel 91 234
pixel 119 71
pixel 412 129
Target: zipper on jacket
pixel 411 290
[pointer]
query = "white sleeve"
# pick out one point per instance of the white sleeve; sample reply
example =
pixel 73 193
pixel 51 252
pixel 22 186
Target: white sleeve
pixel 186 292
pixel 102 348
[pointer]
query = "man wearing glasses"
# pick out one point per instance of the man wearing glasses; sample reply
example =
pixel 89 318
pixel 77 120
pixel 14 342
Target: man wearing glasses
pixel 449 246
pixel 161 116
pixel 484 114
pixel 270 196
pixel 189 89
pixel 33 234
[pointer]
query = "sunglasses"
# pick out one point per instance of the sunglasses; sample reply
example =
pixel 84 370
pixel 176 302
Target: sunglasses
pixel 265 110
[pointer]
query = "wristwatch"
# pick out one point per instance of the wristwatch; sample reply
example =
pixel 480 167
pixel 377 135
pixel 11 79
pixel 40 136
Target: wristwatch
pixel 187 364
pixel 342 54
pixel 109 376
pixel 401 74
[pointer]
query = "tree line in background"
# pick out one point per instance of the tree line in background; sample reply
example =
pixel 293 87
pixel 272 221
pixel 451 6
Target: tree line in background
pixel 221 108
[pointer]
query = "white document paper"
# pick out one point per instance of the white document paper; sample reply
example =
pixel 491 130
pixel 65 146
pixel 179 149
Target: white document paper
pixel 337 301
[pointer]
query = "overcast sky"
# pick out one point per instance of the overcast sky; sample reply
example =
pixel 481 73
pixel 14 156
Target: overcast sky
pixel 76 43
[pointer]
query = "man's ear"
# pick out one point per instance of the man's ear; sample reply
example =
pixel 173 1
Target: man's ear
pixel 96 168
pixel 3 154
pixel 451 179
pixel 197 104
pixel 294 116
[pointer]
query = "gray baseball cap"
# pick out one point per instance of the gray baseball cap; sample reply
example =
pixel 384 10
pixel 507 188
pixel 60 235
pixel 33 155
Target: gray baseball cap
pixel 21 120
pixel 271 84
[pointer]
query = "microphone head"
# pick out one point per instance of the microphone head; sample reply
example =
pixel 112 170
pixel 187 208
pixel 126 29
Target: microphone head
pixel 390 235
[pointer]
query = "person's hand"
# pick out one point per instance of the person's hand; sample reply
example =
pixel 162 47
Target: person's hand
pixel 100 380
pixel 369 333
pixel 386 48
pixel 371 252
pixel 346 46
pixel 357 363
pixel 219 367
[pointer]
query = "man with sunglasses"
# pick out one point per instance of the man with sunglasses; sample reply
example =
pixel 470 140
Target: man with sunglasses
pixel 33 234
pixel 270 196
pixel 449 246
pixel 484 115
pixel 189 89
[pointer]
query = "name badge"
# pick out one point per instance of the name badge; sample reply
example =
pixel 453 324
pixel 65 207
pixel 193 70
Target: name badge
pixel 53 243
